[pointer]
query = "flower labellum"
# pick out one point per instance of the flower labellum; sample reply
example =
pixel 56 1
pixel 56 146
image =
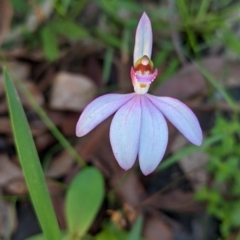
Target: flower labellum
pixel 139 127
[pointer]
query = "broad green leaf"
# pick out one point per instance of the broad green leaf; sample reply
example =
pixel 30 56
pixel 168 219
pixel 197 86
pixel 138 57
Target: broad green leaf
pixel 50 44
pixel 30 163
pixel 135 232
pixel 83 200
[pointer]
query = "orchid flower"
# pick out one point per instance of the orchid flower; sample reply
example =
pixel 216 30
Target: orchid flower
pixel 138 127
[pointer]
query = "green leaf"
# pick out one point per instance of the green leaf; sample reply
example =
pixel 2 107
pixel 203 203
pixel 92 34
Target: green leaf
pixel 231 41
pixel 30 163
pixel 84 198
pixel 112 232
pixel 106 234
pixel 135 232
pixel 69 29
pixel 108 39
pixel 20 6
pixel 107 64
pixel 65 4
pixel 41 236
pixel 50 43
pixel 36 237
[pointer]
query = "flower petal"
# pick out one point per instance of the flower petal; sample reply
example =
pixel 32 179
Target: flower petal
pixel 153 137
pixel 180 116
pixel 125 131
pixel 98 110
pixel 143 39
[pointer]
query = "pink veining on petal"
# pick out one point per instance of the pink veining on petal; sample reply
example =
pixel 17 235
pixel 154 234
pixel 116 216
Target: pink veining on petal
pixel 153 137
pixel 99 110
pixel 125 131
pixel 180 116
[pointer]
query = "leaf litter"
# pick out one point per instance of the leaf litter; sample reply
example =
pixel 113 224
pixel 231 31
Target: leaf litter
pixel 63 88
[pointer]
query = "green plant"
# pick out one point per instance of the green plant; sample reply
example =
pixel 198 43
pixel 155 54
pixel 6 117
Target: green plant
pixel 223 194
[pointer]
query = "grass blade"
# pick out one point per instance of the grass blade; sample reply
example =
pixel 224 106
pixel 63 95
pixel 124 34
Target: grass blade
pixel 30 163
pixel 135 232
pixel 175 158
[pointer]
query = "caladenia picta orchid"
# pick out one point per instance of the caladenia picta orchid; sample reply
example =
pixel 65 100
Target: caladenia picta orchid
pixel 138 127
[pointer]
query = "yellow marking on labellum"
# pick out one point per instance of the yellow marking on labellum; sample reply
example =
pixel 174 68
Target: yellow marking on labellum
pixel 143 85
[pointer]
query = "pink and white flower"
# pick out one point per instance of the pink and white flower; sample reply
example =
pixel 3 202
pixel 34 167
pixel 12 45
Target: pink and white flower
pixel 139 127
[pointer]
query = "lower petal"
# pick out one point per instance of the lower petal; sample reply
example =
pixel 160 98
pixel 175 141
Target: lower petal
pixel 180 116
pixel 124 132
pixel 153 137
pixel 99 110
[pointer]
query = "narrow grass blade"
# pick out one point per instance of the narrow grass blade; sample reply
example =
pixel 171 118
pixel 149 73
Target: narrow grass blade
pixel 48 122
pixel 175 158
pixel 135 232
pixel 41 236
pixel 216 85
pixel 108 59
pixel 30 163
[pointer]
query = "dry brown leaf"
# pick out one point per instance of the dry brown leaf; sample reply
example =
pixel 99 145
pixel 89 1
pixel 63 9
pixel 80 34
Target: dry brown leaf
pixel 57 195
pixel 176 200
pixel 68 124
pixel 193 167
pixel 60 165
pixel 8 170
pixel 16 69
pixel 55 116
pixel 155 229
pixel 5 125
pixel 17 187
pixel 44 140
pixel 19 70
pixel 8 220
pixel 54 188
pixel 189 81
pixel 6 14
pixel 97 75
pixel 71 91
pixel 34 91
pixel 59 207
